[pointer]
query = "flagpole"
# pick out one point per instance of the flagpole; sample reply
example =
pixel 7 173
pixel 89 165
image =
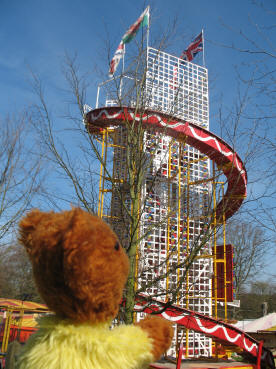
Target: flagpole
pixel 122 74
pixel 147 41
pixel 148 29
pixel 123 63
pixel 127 37
pixel 203 51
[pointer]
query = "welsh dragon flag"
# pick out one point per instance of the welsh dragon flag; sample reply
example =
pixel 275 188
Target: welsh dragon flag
pixel 143 20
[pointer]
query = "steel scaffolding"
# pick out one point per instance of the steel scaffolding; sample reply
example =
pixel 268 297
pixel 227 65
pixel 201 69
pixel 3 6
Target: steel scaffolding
pixel 178 199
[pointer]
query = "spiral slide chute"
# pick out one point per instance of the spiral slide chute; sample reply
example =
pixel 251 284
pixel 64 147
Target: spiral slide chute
pixel 231 165
pixel 222 332
pixel 205 141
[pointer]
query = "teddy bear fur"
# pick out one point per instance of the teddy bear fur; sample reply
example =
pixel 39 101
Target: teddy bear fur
pixel 80 270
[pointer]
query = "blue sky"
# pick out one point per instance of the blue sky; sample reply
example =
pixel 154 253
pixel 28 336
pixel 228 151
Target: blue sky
pixel 35 34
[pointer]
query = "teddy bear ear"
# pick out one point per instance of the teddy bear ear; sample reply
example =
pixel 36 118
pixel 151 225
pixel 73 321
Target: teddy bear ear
pixel 27 227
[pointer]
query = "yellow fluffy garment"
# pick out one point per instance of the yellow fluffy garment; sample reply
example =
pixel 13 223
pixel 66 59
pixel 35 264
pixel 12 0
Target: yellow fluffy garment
pixel 60 344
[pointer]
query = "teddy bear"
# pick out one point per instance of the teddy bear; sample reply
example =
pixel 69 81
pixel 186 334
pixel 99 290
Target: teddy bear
pixel 80 270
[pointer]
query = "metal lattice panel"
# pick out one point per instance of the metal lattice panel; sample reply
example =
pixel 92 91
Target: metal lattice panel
pixel 177 87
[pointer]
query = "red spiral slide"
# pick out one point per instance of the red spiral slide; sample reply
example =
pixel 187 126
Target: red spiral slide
pixel 203 140
pixel 229 162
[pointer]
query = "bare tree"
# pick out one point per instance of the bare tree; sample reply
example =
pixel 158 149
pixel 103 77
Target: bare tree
pixel 127 194
pixel 250 246
pixel 20 169
pixel 74 165
pixel 263 288
pixel 257 75
pixel 16 278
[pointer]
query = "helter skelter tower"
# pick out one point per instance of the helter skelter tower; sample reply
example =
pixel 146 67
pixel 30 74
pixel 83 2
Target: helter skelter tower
pixel 180 200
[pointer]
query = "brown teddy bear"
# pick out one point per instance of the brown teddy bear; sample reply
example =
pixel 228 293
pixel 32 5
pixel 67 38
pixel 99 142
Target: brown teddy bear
pixel 80 270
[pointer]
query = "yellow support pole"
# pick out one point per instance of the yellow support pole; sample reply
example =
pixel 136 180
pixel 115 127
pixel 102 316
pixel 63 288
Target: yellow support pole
pixel 20 322
pixel 224 256
pixel 215 245
pixel 7 328
pixel 168 223
pixel 104 170
pixel 187 250
pixel 100 201
pixel 215 251
pixel 179 214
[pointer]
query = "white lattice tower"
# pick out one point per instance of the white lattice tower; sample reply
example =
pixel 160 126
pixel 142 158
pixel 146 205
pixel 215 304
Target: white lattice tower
pixel 180 89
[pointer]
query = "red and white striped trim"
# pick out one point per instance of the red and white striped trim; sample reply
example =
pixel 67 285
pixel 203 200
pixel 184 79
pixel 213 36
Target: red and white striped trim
pixel 203 140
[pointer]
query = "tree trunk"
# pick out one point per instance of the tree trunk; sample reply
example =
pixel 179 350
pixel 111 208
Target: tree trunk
pixel 130 285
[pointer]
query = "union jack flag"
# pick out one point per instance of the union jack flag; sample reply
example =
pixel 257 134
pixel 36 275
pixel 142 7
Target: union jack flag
pixel 188 55
pixel 116 58
pixel 193 48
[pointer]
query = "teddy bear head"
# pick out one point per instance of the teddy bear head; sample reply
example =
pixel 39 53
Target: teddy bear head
pixel 79 266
